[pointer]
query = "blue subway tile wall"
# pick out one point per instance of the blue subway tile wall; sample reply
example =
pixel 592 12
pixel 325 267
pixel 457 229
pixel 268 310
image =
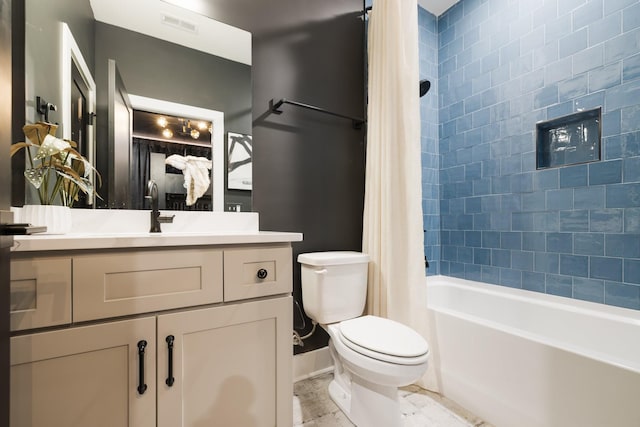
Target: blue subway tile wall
pixel 501 67
pixel 428 46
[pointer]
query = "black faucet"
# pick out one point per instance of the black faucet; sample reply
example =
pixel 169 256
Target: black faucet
pixel 156 219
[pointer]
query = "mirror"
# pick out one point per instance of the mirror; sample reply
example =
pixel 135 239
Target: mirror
pixel 149 56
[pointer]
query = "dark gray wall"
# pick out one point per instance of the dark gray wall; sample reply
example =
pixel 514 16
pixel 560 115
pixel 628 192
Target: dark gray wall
pixel 308 168
pixel 158 69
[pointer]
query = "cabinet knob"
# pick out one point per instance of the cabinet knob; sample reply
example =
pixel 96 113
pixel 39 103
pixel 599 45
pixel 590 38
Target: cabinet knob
pixel 262 273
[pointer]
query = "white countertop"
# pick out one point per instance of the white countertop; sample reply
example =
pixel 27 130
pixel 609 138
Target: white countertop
pixel 143 240
pixel 111 229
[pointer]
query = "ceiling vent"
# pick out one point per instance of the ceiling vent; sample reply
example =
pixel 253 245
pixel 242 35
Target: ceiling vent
pixel 175 22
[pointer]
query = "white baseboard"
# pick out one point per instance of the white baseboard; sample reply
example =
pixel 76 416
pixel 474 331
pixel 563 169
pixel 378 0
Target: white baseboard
pixel 311 364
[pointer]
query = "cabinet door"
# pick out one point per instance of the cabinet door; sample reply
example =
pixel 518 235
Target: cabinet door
pixel 231 366
pixel 85 376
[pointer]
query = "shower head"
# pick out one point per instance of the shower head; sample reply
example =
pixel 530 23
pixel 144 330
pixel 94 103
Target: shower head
pixel 425 85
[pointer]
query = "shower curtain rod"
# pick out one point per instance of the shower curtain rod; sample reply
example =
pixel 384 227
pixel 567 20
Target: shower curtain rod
pixel 275 108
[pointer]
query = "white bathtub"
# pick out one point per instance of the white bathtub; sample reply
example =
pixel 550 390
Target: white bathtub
pixel 518 358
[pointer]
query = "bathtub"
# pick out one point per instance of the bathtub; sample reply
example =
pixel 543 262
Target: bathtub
pixel 518 358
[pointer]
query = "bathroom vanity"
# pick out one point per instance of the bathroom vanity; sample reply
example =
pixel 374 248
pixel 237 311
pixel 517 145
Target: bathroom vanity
pixel 181 328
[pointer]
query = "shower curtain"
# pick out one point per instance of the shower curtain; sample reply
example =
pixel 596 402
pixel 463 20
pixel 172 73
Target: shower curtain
pixel 392 223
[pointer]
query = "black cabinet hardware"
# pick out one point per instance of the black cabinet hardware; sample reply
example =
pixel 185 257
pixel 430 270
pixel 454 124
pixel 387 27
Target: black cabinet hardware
pixel 170 380
pixel 142 387
pixel 262 273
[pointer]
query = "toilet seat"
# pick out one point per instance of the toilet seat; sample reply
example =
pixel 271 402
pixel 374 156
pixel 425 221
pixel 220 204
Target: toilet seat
pixel 384 340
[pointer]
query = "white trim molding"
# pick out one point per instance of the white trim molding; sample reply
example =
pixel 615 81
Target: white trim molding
pixel 311 364
pixel 217 135
pixel 71 54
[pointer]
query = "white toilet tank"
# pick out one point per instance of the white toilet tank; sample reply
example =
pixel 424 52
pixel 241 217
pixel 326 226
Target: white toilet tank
pixel 334 285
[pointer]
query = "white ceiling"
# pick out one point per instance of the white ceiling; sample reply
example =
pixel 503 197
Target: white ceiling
pixel 234 44
pixel 437 7
pixel 146 17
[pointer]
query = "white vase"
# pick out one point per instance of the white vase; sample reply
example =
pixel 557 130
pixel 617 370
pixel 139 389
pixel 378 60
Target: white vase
pixel 57 219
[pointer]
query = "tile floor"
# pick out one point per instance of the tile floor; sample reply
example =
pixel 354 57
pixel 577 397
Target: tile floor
pixel 312 407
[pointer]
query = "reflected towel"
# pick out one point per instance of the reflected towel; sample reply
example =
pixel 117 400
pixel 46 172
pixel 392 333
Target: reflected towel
pixel 196 174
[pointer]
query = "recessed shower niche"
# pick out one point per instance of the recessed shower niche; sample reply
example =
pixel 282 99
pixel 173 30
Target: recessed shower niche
pixel 569 139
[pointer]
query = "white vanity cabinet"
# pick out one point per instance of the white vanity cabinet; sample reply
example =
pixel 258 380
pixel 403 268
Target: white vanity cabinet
pixel 228 366
pixel 154 339
pixel 40 292
pixel 85 376
pixel 110 284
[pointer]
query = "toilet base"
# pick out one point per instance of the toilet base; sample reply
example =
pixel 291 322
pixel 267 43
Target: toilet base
pixel 340 397
pixel 365 404
pixel 366 407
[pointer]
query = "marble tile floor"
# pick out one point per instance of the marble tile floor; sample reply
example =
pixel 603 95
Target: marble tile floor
pixel 312 407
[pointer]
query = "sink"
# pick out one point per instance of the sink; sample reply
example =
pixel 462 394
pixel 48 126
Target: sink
pixel 184 222
pixel 127 229
pixel 136 223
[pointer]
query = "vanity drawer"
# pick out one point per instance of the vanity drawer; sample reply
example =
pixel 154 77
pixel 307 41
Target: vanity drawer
pixel 141 281
pixel 257 272
pixel 40 291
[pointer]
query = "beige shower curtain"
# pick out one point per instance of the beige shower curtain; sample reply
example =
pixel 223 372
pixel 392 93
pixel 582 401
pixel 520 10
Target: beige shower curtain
pixel 392 226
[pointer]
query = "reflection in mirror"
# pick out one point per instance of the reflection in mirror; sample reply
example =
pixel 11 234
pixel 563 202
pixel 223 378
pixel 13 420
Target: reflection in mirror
pixel 163 146
pixel 150 165
pixel 172 55
pixel 78 101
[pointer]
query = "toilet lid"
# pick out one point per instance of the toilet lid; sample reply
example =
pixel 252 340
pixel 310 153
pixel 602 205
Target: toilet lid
pixel 378 337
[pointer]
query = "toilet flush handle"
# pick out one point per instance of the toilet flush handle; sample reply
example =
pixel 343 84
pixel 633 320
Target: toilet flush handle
pixel 321 271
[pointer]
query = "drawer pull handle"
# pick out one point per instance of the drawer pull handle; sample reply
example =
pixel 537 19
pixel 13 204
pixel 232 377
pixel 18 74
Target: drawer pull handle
pixel 262 273
pixel 142 387
pixel 170 380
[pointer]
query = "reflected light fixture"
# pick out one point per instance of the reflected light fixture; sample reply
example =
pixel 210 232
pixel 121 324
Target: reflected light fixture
pixel 188 130
pixel 171 128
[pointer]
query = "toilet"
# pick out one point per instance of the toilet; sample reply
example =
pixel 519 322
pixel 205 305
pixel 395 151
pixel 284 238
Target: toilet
pixel 372 356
